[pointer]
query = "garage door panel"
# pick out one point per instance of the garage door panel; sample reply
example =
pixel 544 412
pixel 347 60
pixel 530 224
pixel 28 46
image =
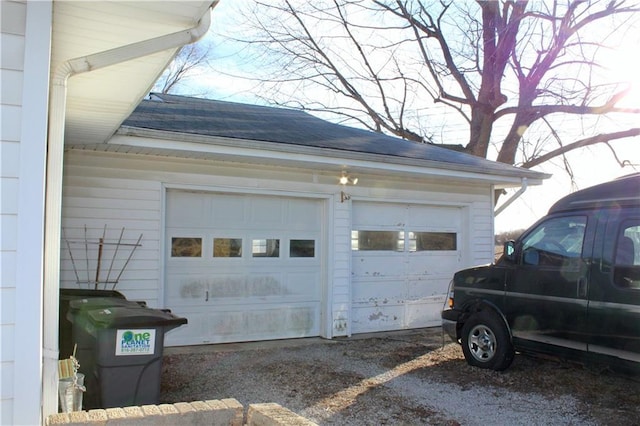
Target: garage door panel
pixel 300 319
pixel 430 264
pixel 223 326
pixel 410 314
pixel 379 215
pixel 189 209
pixel 283 285
pixel 404 286
pixel 230 210
pixel 378 292
pixel 246 322
pixel 263 285
pixel 377 264
pixel 378 318
pixel 433 217
pixel 186 290
pixel 210 327
pixel 181 289
pixel 266 211
pixel 424 313
pixel 197 326
pixel 306 284
pixel 235 292
pixel 426 287
pixel 303 215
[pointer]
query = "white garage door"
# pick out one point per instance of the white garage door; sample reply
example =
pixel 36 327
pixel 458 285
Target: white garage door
pixel 243 267
pixel 403 257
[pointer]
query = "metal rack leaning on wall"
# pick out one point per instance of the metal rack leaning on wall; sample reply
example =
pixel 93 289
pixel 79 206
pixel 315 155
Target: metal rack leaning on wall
pixel 114 252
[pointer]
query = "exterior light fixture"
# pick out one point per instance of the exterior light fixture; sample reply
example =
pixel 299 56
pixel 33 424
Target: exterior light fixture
pixel 345 179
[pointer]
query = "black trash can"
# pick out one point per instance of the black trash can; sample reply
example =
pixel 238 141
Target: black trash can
pixel 81 336
pixel 65 341
pixel 128 343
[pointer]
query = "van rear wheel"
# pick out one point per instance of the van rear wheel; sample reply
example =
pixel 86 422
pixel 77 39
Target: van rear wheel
pixel 486 342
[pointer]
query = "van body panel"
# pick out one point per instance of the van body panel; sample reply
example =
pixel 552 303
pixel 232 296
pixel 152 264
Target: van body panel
pixel 485 283
pixel 614 304
pixel 546 290
pixel 570 285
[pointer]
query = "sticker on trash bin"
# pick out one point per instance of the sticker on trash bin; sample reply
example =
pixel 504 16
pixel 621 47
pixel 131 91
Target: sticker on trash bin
pixel 135 342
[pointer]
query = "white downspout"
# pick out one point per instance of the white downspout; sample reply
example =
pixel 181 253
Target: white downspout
pixel 514 197
pixel 53 201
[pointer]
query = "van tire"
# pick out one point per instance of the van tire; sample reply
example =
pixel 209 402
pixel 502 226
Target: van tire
pixel 486 342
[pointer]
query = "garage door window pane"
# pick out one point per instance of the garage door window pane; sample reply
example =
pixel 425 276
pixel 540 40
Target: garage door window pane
pixel 186 247
pixel 266 248
pixel 377 240
pixel 302 248
pixel 433 241
pixel 227 247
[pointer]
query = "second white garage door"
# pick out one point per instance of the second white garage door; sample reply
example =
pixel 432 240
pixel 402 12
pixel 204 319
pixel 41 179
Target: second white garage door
pixel 243 267
pixel 403 257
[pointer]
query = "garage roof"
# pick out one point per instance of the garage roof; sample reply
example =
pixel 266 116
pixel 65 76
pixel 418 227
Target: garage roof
pixel 292 128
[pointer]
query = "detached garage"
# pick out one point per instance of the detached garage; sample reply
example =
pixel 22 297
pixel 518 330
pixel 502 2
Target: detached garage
pixel 264 223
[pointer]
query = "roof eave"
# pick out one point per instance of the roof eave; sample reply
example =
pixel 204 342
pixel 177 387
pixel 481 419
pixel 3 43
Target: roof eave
pixel 97 102
pixel 186 145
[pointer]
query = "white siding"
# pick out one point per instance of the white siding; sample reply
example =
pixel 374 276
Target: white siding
pixel 23 107
pixel 12 60
pixel 105 199
pixel 341 263
pixel 481 228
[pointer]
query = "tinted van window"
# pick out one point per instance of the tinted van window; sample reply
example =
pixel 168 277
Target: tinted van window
pixel 627 256
pixel 554 240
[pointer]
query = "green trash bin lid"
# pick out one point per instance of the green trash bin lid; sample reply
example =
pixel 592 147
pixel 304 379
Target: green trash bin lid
pixel 91 303
pixel 80 307
pixel 133 316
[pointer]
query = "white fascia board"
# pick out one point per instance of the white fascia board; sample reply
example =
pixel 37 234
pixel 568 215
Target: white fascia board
pixel 201 146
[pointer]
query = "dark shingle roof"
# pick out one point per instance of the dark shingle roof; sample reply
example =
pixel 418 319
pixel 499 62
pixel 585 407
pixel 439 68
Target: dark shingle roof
pixel 197 116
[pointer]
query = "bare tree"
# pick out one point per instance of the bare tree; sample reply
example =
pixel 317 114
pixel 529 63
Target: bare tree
pixel 187 64
pixel 508 74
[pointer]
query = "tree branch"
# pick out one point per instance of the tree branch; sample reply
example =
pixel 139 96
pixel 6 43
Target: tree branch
pixel 601 138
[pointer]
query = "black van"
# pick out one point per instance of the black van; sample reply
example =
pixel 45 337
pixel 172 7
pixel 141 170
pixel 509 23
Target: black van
pixel 568 287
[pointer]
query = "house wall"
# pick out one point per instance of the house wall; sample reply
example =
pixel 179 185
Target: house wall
pixel 120 190
pixel 24 67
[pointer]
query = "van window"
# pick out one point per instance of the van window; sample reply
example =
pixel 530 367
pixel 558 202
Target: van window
pixel 627 256
pixel 554 241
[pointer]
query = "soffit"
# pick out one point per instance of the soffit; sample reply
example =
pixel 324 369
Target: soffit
pixel 98 101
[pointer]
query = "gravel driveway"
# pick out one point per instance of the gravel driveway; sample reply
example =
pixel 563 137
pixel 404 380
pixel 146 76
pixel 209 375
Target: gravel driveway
pixel 399 378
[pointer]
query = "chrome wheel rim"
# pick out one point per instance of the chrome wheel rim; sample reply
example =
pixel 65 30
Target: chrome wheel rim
pixel 482 343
